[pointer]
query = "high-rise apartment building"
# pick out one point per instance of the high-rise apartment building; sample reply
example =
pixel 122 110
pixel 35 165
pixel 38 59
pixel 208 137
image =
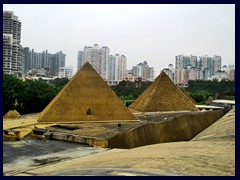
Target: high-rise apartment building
pixel 37 62
pixel 192 73
pixel 122 67
pixel 12 60
pixel 105 62
pixel 94 55
pixel 58 60
pixel 190 68
pixel 181 77
pixel 44 62
pixel 182 61
pixel 80 60
pixel 231 72
pixel 110 68
pixel 217 63
pixel 112 64
pixel 210 65
pixel 150 74
pixel 134 70
pixel 26 65
pixel 143 70
pixel 183 66
pixel 116 67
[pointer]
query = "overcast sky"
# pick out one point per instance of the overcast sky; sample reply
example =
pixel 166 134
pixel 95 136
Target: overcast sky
pixel 152 32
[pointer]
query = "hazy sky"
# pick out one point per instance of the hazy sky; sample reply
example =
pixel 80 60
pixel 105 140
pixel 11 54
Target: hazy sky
pixel 152 32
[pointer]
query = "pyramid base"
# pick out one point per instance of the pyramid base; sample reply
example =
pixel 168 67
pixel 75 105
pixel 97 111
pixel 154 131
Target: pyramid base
pixel 160 128
pixel 80 122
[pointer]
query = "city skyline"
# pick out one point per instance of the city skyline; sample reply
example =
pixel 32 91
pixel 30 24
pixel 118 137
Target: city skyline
pixel 152 33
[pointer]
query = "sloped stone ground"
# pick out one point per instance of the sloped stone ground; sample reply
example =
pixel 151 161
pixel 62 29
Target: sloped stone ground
pixel 210 153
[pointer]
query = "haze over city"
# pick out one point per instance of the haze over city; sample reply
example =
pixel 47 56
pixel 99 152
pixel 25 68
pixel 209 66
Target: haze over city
pixel 155 33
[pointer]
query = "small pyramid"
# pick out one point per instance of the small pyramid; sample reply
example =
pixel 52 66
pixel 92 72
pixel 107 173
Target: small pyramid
pixel 163 95
pixel 86 97
pixel 11 114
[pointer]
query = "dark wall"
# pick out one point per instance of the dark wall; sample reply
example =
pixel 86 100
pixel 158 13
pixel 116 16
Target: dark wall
pixel 181 128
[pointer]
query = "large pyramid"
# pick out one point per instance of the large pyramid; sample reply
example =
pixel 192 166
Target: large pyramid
pixel 163 95
pixel 86 97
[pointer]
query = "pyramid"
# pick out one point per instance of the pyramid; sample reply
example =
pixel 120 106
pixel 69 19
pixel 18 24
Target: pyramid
pixel 86 97
pixel 12 114
pixel 163 95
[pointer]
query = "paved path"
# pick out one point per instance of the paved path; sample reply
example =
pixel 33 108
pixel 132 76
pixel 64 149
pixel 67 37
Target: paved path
pixel 21 156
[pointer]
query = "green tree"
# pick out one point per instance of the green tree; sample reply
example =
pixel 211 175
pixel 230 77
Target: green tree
pixel 200 90
pixel 26 96
pixel 40 94
pixel 13 93
pixel 130 89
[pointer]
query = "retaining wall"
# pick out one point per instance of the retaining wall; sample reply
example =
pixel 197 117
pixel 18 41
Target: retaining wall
pixel 181 128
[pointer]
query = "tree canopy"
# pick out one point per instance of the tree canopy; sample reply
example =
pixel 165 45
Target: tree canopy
pixel 200 90
pixel 130 89
pixel 26 96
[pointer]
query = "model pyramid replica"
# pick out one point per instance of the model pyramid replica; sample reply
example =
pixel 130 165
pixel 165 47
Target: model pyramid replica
pixel 163 95
pixel 86 97
pixel 11 114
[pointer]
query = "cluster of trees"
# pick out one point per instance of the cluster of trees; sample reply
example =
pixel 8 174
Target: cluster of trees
pixel 59 82
pixel 27 96
pixel 128 90
pixel 201 90
pixel 33 96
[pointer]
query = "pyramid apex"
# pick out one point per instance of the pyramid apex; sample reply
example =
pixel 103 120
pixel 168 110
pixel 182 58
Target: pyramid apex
pixel 163 72
pixel 88 67
pixel 87 64
pixel 163 76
